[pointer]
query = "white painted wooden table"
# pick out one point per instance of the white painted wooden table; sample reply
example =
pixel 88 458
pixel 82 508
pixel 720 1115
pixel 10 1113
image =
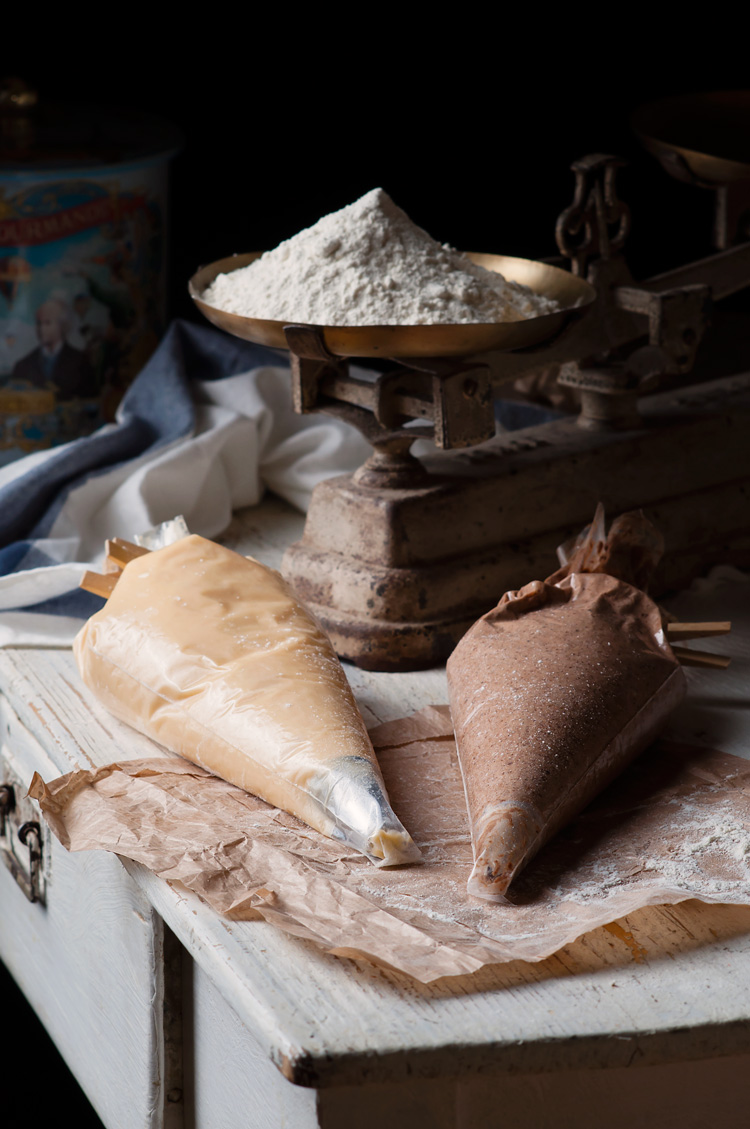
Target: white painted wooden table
pixel 171 1016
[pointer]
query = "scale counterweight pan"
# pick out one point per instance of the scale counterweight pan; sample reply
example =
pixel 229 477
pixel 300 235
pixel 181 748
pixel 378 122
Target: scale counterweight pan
pixel 572 293
pixel 699 137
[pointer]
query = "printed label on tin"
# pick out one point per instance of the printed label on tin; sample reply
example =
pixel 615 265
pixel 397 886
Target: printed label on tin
pixel 81 302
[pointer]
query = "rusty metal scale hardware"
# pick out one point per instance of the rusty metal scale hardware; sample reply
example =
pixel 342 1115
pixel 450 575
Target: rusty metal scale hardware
pixel 398 559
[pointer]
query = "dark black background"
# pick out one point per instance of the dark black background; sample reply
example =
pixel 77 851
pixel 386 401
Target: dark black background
pixel 470 120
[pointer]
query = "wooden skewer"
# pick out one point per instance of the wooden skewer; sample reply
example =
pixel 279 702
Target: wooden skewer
pixel 120 552
pixel 98 584
pixel 681 632
pixel 678 631
pixel 689 657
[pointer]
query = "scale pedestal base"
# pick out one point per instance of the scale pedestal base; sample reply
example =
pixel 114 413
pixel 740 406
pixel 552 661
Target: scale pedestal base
pixel 397 574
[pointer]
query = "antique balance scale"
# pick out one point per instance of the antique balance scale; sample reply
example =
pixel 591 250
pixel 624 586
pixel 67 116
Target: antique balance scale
pixel 398 559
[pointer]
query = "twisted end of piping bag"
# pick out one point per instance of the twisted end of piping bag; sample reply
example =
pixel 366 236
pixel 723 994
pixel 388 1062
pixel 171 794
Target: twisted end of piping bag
pixel 353 796
pixel 503 846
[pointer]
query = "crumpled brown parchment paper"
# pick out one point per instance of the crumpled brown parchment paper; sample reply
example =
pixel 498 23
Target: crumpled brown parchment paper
pixel 675 825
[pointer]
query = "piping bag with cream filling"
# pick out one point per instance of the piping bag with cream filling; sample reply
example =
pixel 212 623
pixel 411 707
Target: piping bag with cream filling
pixel 211 654
pixel 555 691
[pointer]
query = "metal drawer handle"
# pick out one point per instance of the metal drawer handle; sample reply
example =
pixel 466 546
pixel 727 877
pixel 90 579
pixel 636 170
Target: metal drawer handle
pixel 7 803
pixel 29 875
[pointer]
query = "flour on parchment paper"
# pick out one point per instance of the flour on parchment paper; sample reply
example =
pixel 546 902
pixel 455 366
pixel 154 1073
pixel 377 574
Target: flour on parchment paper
pixel 368 264
pixel 674 826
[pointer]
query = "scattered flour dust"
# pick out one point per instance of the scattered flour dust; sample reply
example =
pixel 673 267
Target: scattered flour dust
pixel 726 835
pixel 368 264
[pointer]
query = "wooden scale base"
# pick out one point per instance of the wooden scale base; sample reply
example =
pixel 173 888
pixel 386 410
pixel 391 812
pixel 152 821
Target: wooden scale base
pixel 397 574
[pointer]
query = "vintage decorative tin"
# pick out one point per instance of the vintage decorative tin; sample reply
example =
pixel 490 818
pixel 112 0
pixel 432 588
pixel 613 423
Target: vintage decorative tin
pixel 82 263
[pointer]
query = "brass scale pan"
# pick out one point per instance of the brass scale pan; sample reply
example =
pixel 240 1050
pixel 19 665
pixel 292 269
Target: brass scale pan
pixel 702 136
pixel 572 293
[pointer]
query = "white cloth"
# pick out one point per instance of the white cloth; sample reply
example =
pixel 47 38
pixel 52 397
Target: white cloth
pixel 247 438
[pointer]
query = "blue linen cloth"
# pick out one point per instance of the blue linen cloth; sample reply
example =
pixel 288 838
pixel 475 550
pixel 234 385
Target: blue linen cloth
pixel 205 427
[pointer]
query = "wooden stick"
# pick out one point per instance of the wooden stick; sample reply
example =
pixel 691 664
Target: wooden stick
pixel 120 552
pixel 688 657
pixel 678 631
pixel 98 584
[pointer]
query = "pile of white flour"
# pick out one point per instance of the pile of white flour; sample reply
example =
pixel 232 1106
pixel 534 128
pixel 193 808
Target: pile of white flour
pixel 368 264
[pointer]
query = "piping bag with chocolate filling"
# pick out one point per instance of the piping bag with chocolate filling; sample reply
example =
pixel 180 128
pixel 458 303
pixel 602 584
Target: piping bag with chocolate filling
pixel 211 654
pixel 555 691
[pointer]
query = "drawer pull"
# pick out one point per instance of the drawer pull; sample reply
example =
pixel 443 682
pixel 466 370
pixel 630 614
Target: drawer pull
pixel 30 835
pixel 25 866
pixel 7 803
